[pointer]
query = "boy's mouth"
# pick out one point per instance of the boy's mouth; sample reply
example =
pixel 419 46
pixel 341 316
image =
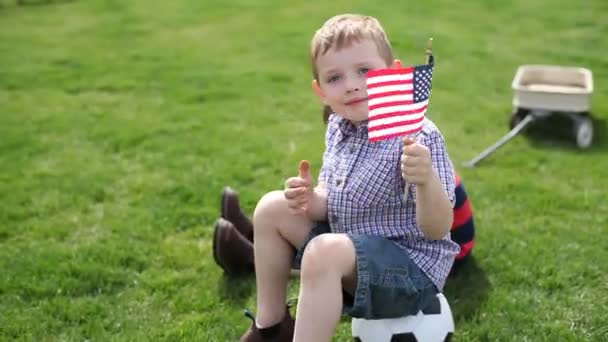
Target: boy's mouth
pixel 355 101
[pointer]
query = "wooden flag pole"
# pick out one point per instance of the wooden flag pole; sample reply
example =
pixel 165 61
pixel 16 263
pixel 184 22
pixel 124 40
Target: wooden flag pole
pixel 429 60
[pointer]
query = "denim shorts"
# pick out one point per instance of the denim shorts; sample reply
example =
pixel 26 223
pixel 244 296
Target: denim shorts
pixel 389 284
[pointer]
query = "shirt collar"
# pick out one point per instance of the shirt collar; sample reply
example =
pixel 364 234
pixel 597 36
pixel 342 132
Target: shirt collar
pixel 347 128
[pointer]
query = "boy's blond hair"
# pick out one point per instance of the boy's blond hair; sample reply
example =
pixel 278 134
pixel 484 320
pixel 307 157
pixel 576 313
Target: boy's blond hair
pixel 341 31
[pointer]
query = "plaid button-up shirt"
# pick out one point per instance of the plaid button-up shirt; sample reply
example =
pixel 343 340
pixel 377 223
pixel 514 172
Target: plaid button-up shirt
pixel 365 192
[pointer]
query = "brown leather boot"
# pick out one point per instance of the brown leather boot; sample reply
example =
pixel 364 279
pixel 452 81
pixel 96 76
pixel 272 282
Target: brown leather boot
pixel 231 250
pixel 231 211
pixel 282 332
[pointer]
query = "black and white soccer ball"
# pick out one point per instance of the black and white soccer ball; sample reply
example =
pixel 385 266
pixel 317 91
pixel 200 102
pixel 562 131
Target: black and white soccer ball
pixel 433 324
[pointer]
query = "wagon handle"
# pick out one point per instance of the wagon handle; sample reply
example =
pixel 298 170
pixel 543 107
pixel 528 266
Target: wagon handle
pixel 512 133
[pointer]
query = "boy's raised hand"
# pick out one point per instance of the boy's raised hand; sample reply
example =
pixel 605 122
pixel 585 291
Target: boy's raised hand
pixel 416 165
pixel 299 191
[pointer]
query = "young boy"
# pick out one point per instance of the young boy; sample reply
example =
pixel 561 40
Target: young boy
pixel 379 255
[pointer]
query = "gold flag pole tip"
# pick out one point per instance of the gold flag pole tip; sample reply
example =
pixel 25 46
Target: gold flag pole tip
pixel 429 51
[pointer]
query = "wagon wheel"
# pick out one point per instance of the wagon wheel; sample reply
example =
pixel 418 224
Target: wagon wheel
pixel 517 116
pixel 583 131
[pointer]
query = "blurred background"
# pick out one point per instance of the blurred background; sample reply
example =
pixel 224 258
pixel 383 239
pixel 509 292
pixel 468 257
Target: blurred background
pixel 121 121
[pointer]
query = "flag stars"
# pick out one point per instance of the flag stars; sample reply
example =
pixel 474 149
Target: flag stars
pixel 422 82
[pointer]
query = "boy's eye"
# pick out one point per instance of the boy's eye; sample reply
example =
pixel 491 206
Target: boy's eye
pixel 363 71
pixel 333 78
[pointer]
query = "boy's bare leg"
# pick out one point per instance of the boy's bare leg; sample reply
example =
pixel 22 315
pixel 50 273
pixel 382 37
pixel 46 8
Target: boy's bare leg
pixel 276 230
pixel 328 265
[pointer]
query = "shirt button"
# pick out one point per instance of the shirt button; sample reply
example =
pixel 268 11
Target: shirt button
pixel 352 149
pixel 334 218
pixel 338 182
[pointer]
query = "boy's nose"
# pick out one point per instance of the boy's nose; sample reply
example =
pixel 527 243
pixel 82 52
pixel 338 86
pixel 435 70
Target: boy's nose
pixel 354 84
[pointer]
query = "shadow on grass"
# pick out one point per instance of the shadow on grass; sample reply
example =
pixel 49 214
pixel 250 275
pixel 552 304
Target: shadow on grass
pixel 467 290
pixel 236 289
pixel 558 132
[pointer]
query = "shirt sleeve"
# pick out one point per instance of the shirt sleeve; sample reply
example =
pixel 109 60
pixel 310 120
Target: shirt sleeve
pixel 441 162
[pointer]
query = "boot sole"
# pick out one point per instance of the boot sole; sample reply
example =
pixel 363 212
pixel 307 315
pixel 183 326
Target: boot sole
pixel 216 256
pixel 216 229
pixel 223 204
pixel 224 213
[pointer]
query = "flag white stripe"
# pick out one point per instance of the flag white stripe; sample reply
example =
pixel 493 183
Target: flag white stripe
pixel 396 118
pixel 390 78
pixel 394 130
pixel 386 99
pixel 398 87
pixel 392 109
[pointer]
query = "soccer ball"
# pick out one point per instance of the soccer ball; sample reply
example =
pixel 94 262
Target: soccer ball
pixel 433 324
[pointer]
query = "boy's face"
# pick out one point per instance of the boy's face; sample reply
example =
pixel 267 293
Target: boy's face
pixel 342 78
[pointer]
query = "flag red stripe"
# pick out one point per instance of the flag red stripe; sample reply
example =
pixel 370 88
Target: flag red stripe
pixel 385 72
pixel 389 83
pixel 392 135
pixel 390 93
pixel 393 114
pixel 394 124
pixel 390 104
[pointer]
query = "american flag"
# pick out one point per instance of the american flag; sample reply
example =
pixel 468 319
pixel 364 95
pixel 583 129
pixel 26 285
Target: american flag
pixel 397 100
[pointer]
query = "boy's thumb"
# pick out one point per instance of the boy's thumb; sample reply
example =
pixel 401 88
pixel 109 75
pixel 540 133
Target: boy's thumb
pixel 408 141
pixel 304 169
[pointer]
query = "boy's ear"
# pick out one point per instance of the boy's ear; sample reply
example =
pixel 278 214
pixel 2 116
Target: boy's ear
pixel 396 64
pixel 317 89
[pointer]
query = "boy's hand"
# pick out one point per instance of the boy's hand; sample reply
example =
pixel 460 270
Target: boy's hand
pixel 416 165
pixel 298 190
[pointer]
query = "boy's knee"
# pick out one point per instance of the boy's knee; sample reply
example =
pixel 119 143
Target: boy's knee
pixel 269 205
pixel 327 253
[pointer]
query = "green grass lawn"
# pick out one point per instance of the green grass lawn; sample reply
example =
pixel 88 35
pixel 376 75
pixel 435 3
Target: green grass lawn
pixel 120 122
